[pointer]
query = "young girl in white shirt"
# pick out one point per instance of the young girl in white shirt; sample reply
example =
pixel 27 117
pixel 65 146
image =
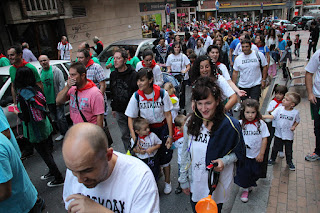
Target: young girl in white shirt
pixel 174 99
pixel 146 145
pixel 255 133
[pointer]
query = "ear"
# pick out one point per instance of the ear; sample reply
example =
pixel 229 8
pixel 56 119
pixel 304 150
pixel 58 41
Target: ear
pixel 109 153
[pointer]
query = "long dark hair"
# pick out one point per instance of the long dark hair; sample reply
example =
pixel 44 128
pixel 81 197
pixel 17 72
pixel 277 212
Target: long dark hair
pixel 145 72
pixel 195 70
pixel 254 104
pixel 215 47
pixel 24 78
pixel 203 87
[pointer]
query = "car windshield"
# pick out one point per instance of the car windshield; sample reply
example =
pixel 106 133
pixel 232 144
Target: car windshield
pixel 108 52
pixel 3 80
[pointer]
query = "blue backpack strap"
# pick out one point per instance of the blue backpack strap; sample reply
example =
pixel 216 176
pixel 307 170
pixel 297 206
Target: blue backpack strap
pixel 162 93
pixel 136 95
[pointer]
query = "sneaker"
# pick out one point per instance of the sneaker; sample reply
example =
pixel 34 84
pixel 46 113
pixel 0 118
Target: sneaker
pixel 291 167
pixel 281 155
pixel 237 107
pixel 244 196
pixel 178 190
pixel 312 157
pixel 46 176
pixel 271 162
pixel 59 138
pixel 167 188
pixel 55 183
pixel 39 205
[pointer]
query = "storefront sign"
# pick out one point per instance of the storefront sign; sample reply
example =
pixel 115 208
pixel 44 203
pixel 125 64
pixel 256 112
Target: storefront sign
pixel 187 3
pixel 300 2
pixel 153 6
pixel 225 4
pixel 296 12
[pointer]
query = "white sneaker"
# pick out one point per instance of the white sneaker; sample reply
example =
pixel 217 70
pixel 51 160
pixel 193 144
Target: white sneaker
pixel 281 155
pixel 237 107
pixel 167 188
pixel 59 138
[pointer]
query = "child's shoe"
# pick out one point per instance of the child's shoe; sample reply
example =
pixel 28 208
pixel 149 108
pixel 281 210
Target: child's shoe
pixel 244 196
pixel 291 167
pixel 178 190
pixel 167 188
pixel 281 155
pixel 271 162
pixel 312 157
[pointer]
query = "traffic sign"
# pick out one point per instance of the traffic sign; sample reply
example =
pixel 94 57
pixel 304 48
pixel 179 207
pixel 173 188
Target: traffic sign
pixel 217 5
pixel 168 9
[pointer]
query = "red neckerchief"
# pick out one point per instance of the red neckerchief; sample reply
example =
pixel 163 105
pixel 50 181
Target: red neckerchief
pixel 204 36
pixel 260 46
pixel 156 90
pixel 143 137
pixel 129 58
pixel 251 122
pixel 195 37
pixel 278 102
pixel 177 134
pixel 218 63
pixel 64 43
pixel 100 42
pixel 281 39
pixel 153 64
pixel 90 62
pixel 89 85
pixel 173 95
pixel 90 54
pixel 288 39
pixel 2 56
pixel 23 63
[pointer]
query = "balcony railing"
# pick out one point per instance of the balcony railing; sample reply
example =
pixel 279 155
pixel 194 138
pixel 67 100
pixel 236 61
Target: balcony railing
pixel 41 7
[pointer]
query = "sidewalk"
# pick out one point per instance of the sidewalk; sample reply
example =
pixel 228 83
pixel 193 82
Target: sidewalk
pixel 297 191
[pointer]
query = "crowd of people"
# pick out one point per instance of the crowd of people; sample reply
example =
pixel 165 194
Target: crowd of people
pixel 227 66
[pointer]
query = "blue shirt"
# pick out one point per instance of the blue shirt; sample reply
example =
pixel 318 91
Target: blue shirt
pixel 4 125
pixel 264 50
pixel 282 44
pixel 234 43
pixel 23 193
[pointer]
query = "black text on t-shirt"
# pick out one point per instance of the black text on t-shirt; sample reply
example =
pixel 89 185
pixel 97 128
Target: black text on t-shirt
pixel 114 205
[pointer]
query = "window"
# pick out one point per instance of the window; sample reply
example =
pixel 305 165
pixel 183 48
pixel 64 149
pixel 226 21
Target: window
pixel 65 75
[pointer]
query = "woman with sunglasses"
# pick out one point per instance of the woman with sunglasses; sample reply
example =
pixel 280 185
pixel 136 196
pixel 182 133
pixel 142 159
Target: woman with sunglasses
pixel 210 136
pixel 153 104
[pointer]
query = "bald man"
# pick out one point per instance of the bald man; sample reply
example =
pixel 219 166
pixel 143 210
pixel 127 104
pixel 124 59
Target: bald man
pixel 53 82
pixel 64 49
pixel 101 180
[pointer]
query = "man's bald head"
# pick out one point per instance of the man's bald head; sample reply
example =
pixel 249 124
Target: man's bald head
pixel 84 45
pixel 44 62
pixel 86 133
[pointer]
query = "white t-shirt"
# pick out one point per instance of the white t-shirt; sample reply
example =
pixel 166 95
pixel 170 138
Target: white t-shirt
pixel 176 107
pixel 238 49
pixel 285 119
pixel 248 67
pixel 253 138
pixel 131 187
pixel 178 144
pixel 152 111
pixel 178 63
pixel 157 74
pixel 224 71
pixel 227 91
pixel 64 50
pixel 271 106
pixel 207 42
pixel 149 141
pixel 199 183
pixel 314 67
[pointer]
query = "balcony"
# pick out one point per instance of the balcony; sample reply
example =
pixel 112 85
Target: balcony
pixel 40 8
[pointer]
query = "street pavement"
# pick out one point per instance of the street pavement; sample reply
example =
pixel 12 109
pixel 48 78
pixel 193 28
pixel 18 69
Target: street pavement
pixel 281 191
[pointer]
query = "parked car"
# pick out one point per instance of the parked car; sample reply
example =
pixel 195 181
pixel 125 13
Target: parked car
pixel 5 91
pixel 139 45
pixel 287 24
pixel 301 22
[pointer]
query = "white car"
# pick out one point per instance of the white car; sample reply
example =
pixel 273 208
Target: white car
pixel 5 91
pixel 286 23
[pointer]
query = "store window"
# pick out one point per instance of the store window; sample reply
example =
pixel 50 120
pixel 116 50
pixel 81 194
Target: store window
pixel 183 17
pixel 148 23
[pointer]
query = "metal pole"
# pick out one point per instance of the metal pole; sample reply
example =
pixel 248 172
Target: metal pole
pixel 216 14
pixel 165 12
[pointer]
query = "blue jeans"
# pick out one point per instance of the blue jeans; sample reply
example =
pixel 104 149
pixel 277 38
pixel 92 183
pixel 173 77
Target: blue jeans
pixel 57 114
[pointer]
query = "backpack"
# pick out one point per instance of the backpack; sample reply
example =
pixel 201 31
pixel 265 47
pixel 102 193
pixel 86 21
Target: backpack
pixel 136 95
pixel 275 55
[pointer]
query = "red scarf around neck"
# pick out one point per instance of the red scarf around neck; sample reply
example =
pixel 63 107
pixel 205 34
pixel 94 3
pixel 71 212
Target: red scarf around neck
pixel 2 56
pixel 278 103
pixel 100 42
pixel 64 43
pixel 280 39
pixel 156 90
pixel 23 63
pixel 195 37
pixel 90 62
pixel 89 85
pixel 177 134
pixel 218 63
pixel 173 95
pixel 153 64
pixel 251 122
pixel 204 36
pixel 143 137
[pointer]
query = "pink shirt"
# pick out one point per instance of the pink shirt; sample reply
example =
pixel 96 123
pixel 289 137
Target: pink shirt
pixel 91 104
